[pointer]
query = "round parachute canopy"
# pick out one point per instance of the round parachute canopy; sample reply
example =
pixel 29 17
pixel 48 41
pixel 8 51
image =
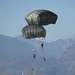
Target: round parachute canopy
pixel 33 31
pixel 41 17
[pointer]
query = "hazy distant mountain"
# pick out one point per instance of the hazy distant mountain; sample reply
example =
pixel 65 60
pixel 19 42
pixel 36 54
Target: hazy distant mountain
pixel 69 54
pixel 24 46
pixel 66 64
pixel 74 37
pixel 16 57
pixel 12 47
pixel 52 49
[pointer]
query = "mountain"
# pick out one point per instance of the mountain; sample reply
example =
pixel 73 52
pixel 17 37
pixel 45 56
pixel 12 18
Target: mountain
pixel 16 57
pixel 69 54
pixel 66 63
pixel 12 47
pixel 22 47
pixel 53 49
pixel 73 37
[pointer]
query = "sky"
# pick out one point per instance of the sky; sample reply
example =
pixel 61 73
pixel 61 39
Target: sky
pixel 13 12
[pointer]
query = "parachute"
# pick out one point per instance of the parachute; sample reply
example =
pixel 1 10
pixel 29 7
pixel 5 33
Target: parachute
pixel 33 31
pixel 41 17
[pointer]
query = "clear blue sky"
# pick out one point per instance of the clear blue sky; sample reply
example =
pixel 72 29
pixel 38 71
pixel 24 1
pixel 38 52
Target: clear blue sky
pixel 12 17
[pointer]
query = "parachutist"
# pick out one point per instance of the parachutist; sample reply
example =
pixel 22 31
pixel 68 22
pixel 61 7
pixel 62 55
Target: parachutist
pixel 32 69
pixel 42 45
pixel 44 58
pixel 34 56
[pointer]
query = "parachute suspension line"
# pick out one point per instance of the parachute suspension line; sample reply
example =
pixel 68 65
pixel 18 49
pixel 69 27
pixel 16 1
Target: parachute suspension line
pixel 34 53
pixel 33 72
pixel 34 57
pixel 42 46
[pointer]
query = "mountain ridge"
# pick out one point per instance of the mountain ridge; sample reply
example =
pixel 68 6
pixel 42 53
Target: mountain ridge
pixel 16 57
